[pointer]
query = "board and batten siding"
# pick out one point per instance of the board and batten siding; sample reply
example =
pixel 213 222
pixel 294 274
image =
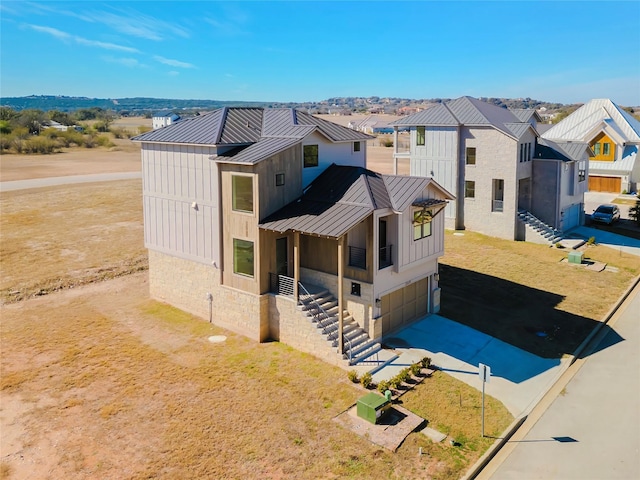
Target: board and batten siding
pixel 180 201
pixel 328 152
pixel 440 156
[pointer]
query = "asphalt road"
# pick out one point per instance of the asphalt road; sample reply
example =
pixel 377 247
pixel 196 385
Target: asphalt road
pixel 591 431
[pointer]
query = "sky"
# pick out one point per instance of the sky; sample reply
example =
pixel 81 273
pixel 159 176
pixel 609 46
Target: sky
pixel 278 51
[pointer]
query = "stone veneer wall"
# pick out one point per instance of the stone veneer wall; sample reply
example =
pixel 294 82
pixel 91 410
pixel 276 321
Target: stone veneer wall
pixel 185 284
pixel 360 307
pixel 289 325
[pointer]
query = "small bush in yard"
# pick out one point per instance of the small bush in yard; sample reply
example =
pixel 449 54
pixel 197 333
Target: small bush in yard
pixel 426 362
pixel 415 369
pixel 591 240
pixel 353 376
pixel 366 380
pixel 383 386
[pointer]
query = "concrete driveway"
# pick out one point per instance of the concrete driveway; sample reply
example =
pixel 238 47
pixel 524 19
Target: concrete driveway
pixel 518 380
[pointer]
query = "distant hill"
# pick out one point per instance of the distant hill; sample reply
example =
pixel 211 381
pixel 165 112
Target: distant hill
pixel 145 105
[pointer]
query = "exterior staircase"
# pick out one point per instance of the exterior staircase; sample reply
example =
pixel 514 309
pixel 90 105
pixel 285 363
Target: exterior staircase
pixel 321 308
pixel 547 233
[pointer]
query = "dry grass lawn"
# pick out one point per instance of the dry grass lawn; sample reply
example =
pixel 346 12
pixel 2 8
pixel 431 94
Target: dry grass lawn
pixel 64 236
pixel 513 290
pixel 99 382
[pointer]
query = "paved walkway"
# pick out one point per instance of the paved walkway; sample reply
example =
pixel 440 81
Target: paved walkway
pixel 619 242
pixel 54 181
pixel 518 380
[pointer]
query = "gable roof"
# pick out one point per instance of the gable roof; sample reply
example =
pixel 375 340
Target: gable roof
pixel 526 114
pixel 233 126
pixel 470 112
pixel 343 196
pixel 561 150
pixel 599 114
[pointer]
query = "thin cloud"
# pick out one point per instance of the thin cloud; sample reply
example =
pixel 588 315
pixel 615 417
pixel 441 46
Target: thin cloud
pixel 135 24
pixel 54 32
pixel 173 63
pixel 64 36
pixel 173 73
pixel 127 62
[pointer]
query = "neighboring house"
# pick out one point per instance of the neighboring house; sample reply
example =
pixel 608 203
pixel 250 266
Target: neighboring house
pixel 164 119
pixel 614 137
pixel 506 184
pixel 53 124
pixel 249 212
pixel 373 124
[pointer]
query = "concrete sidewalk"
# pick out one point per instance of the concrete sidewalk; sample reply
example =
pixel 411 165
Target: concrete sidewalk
pixel 518 380
pixel 71 179
pixel 619 242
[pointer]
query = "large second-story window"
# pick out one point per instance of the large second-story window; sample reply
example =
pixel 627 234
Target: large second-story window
pixel 471 156
pixel 419 136
pixel 310 156
pixel 242 192
pixel 422 224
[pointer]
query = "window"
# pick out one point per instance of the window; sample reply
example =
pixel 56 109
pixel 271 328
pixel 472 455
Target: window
pixel 596 149
pixel 310 156
pixel 243 257
pixel 469 189
pixel 279 179
pixel 606 148
pixel 529 152
pixel 356 146
pixel 355 289
pixel 582 171
pixel 521 152
pixel 498 195
pixel 419 135
pixel 471 155
pixel 242 187
pixel 422 224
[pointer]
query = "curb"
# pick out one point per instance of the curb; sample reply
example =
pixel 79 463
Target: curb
pixel 493 450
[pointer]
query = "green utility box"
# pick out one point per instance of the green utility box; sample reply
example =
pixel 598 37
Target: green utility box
pixel 372 406
pixel 576 257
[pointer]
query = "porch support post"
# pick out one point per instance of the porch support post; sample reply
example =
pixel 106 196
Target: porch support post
pixel 340 295
pixel 296 263
pixel 395 150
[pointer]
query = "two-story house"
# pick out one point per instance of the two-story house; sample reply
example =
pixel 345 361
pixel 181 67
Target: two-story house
pixel 614 137
pixel 491 160
pixel 164 119
pixel 267 222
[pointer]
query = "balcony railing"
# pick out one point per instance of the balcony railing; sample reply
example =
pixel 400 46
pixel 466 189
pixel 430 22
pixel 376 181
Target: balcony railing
pixel 358 257
pixel 281 284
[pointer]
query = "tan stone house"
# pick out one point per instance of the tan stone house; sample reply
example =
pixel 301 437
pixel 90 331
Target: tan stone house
pixel 267 221
pixel 507 182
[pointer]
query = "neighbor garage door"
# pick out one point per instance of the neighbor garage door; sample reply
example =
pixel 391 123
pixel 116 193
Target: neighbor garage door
pixel 400 308
pixel 605 184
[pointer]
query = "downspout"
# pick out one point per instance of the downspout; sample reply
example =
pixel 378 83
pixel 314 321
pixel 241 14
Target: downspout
pixel 296 264
pixel 395 150
pixel 340 295
pixel 459 223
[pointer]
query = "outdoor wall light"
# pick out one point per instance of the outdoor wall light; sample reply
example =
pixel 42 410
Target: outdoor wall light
pixel 378 302
pixel 436 277
pixel 194 205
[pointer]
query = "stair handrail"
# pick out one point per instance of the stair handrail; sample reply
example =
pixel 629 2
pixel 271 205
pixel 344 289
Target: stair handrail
pixel 531 219
pixel 319 313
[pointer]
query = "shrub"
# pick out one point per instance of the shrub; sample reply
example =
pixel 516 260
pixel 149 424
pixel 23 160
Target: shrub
pixel 386 142
pixel 415 369
pixel 634 212
pixel 426 362
pixel 104 141
pixel 558 245
pixel 50 133
pixel 143 129
pixel 383 386
pixel 591 241
pixel 41 145
pixel 366 380
pixel 353 376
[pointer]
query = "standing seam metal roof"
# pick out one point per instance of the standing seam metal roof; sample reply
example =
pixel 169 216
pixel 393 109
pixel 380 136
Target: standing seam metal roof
pixel 343 196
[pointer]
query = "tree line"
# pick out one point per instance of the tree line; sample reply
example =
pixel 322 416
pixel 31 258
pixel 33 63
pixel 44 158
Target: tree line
pixel 32 130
